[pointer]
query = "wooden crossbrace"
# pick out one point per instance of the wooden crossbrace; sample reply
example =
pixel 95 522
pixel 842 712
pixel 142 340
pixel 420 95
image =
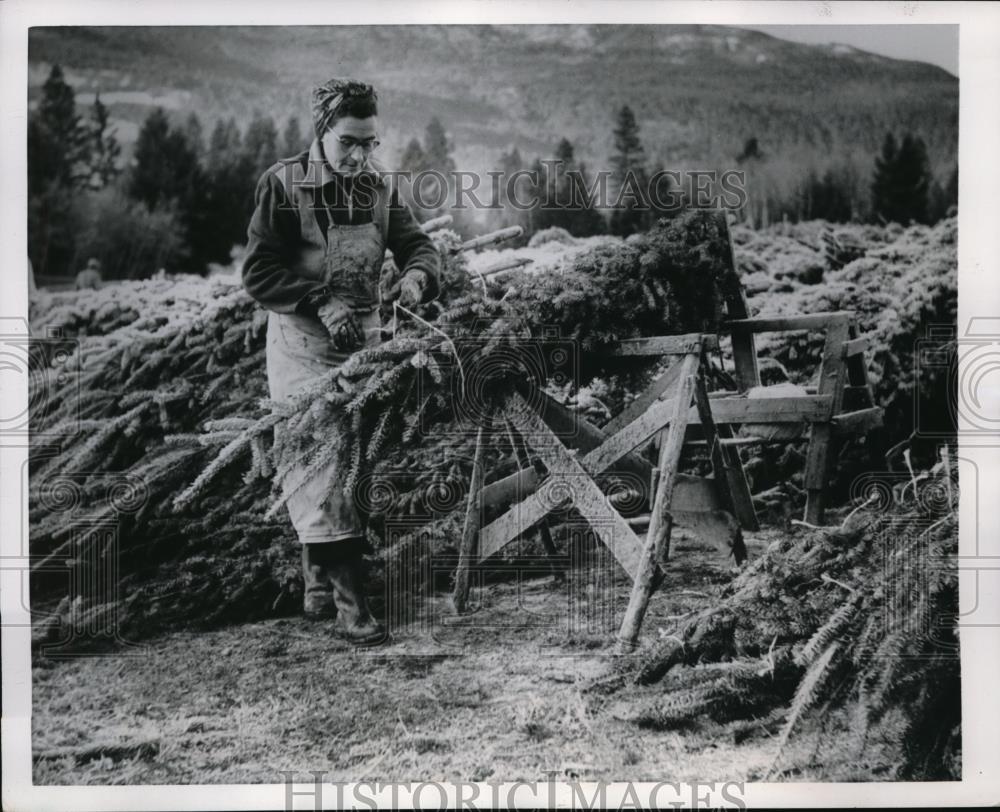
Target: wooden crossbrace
pixel 520 451
pixel 744 350
pixel 536 506
pixel 645 422
pixel 832 372
pixel 842 371
pixel 470 531
pixel 588 499
pixel 730 478
pixel 661 521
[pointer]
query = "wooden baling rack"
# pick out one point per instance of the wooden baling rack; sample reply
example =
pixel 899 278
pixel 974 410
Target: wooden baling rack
pixel 679 409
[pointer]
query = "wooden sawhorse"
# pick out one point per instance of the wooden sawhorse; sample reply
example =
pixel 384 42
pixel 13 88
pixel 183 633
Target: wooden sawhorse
pixel 669 405
pixel 672 403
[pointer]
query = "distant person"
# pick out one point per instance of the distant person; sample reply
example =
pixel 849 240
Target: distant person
pixel 90 277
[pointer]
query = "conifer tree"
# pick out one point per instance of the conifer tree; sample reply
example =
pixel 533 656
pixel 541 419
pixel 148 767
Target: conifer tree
pixel 413 158
pixel 105 149
pixel 412 161
pixel 751 151
pixel 565 202
pixel 260 143
pixel 437 148
pixel 293 141
pixel 629 176
pixel 825 197
pixel 58 167
pixel 195 135
pixel 752 161
pixel 230 186
pixel 166 175
pixel 510 164
pixel 901 180
pixel 438 159
pixel 164 165
pixel 225 144
pixel 62 143
pixel 507 193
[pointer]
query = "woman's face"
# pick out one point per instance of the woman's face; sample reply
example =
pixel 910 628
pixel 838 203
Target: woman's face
pixel 349 142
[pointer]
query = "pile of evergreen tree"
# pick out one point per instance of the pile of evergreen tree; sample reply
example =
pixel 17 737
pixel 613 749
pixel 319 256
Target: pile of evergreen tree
pixel 851 628
pixel 169 402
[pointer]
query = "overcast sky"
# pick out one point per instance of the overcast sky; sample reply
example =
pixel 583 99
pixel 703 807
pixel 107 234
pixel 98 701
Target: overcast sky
pixel 937 44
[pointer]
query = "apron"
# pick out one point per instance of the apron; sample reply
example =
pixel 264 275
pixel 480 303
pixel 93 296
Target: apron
pixel 299 349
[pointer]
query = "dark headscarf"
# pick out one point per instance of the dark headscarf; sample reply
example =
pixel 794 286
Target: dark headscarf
pixel 328 101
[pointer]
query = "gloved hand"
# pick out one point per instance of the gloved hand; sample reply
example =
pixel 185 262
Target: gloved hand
pixel 342 325
pixel 412 287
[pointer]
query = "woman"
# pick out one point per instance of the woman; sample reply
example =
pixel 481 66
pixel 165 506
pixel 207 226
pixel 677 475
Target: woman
pixel 316 243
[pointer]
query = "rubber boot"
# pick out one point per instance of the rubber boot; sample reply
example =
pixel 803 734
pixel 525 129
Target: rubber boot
pixel 354 619
pixel 319 603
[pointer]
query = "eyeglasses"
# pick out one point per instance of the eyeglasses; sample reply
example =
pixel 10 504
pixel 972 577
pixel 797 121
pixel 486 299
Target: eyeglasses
pixel 349 144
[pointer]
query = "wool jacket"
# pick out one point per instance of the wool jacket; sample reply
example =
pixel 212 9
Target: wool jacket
pixel 283 267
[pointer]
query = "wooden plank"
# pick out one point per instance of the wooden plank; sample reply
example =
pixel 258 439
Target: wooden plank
pixel 738 442
pixel 715 526
pixel 806 408
pixel 524 484
pixel 692 494
pixel 649 396
pixel 857 376
pixel 521 453
pixel 857 422
pixel 510 489
pixel 857 370
pixel 578 433
pixel 490 239
pixel 518 519
pixel 811 408
pixel 589 501
pixel 534 508
pixel 631 436
pixel 777 324
pixel 718 527
pixel 857 346
pixel 818 457
pixel 664 345
pixel 744 351
pixel 471 529
pixel 730 477
pixel 658 537
pixel 795 409
pixel 505 266
pixel 715 452
pixel 531 510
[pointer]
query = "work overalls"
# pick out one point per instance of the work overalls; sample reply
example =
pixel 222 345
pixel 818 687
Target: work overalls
pixel 299 350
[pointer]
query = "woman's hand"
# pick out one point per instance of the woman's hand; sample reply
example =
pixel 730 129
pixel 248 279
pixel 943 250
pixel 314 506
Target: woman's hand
pixel 412 287
pixel 345 331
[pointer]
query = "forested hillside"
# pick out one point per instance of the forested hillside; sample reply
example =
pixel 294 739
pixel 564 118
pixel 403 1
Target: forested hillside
pixel 698 91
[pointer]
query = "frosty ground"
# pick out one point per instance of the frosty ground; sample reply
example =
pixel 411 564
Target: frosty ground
pixel 513 691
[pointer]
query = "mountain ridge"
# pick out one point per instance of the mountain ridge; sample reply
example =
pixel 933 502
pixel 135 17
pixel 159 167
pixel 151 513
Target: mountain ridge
pixel 698 91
